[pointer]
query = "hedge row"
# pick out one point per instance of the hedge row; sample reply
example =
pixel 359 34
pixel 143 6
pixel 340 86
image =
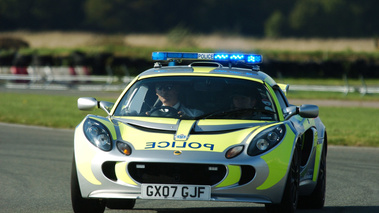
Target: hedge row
pixel 99 62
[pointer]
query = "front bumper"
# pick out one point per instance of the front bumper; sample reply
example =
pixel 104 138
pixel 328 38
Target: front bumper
pixel 111 174
pixel 259 179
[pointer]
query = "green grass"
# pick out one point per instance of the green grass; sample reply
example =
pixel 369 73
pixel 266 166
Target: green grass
pixel 351 125
pixel 345 125
pixel 41 110
pixel 352 82
pixel 332 96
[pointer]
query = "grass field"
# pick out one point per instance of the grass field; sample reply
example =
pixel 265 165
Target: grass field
pixel 353 96
pixel 345 125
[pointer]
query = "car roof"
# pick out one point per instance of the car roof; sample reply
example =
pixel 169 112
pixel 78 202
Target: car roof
pixel 209 70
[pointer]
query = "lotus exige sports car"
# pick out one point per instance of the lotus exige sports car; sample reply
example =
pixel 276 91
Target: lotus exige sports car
pixel 207 131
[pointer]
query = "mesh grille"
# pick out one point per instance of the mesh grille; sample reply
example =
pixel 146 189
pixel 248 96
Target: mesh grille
pixel 174 173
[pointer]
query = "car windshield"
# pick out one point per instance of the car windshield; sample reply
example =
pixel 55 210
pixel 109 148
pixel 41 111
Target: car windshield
pixel 198 98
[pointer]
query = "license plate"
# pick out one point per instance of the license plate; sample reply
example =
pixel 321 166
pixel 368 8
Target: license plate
pixel 176 192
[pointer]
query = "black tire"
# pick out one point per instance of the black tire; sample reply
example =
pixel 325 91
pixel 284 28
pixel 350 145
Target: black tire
pixel 80 204
pixel 317 199
pixel 291 192
pixel 121 203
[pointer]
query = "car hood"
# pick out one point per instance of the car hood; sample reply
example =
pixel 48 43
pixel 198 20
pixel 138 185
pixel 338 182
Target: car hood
pixel 194 135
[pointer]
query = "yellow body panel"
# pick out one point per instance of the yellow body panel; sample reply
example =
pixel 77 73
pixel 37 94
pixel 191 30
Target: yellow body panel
pixel 284 88
pixel 203 69
pixel 121 174
pixel 142 140
pixel 233 176
pixel 278 160
pixel 184 129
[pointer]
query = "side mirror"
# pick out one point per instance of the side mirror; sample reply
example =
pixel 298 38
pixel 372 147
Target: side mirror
pixel 308 111
pixel 305 111
pixel 88 104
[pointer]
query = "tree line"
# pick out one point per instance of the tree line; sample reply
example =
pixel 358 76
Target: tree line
pixel 259 18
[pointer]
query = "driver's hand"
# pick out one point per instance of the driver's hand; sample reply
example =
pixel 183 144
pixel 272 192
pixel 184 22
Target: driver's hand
pixel 182 114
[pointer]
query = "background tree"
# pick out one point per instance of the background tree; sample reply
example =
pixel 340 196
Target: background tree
pixel 274 25
pixel 259 18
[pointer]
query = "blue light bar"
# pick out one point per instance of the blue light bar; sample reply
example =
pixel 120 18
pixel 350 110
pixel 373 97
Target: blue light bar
pixel 162 56
pixel 228 57
pixel 254 59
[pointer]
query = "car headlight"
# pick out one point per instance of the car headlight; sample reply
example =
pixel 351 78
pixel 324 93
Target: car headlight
pixel 97 134
pixel 266 139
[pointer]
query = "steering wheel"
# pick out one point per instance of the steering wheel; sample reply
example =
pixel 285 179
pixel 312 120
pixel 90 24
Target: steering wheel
pixel 164 111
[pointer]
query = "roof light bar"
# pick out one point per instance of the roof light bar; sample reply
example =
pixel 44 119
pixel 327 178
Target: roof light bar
pixel 229 57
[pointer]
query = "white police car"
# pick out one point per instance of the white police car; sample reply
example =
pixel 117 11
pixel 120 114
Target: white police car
pixel 208 131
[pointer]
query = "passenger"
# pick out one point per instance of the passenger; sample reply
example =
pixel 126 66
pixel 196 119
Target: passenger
pixel 243 104
pixel 243 101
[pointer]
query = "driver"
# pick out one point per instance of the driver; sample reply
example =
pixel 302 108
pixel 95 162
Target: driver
pixel 168 94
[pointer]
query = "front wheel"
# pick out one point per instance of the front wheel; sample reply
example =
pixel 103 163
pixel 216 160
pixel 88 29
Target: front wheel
pixel 291 192
pixel 317 199
pixel 80 204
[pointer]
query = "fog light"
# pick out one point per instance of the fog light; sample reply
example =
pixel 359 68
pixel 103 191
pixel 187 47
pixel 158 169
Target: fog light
pixel 233 152
pixel 124 148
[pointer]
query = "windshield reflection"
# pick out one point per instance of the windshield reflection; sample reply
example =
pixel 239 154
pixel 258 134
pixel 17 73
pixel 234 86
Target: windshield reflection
pixel 198 98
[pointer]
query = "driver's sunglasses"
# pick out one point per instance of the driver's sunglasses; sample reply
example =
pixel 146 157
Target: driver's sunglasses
pixel 166 87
